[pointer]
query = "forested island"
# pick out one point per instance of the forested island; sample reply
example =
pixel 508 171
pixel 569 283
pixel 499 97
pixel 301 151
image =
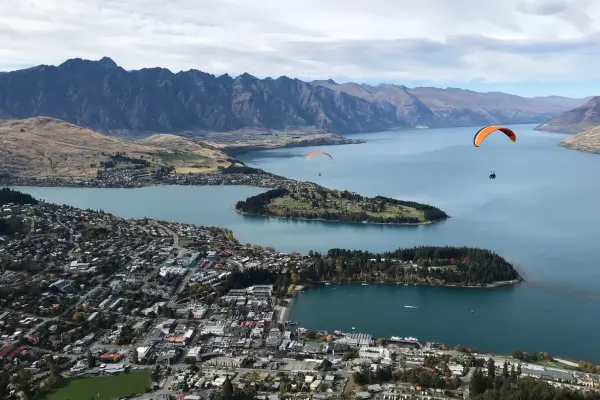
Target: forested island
pixel 313 202
pixel 425 265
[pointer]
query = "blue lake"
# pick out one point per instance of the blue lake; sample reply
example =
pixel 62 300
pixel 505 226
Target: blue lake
pixel 540 213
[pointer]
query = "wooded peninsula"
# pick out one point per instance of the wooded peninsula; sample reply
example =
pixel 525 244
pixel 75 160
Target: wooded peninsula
pixel 308 201
pixel 425 265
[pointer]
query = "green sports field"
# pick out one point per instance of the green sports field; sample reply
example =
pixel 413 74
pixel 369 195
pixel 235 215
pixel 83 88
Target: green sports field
pixel 110 387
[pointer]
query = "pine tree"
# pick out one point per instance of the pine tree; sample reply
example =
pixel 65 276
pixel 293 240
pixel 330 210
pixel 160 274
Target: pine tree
pixel 227 390
pixel 491 367
pixel 478 384
pixel 90 360
pixel 513 373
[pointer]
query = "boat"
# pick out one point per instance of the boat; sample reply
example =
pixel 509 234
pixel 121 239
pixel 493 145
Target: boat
pixel 411 307
pixel 364 284
pixel 409 340
pixel 327 283
pixel 353 328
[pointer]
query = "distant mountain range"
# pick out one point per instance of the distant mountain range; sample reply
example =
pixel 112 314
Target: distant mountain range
pixel 104 97
pixel 575 120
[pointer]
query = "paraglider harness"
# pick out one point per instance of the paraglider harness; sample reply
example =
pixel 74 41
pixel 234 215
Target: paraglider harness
pixel 493 175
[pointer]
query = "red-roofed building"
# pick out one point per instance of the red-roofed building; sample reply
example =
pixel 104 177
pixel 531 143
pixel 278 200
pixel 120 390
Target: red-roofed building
pixel 5 351
pixel 8 353
pixel 111 356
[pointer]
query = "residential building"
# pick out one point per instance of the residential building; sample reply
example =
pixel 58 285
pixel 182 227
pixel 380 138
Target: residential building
pixel 61 285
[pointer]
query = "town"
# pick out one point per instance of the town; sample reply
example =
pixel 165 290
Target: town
pixel 133 178
pixel 98 306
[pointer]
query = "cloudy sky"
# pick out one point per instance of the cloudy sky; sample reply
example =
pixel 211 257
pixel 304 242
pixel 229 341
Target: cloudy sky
pixel 526 47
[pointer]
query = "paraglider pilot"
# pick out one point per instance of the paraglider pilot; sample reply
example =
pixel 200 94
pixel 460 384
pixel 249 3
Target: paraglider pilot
pixel 487 131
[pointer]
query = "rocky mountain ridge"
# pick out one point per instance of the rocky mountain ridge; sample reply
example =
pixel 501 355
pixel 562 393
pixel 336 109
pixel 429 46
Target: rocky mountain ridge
pixel 104 97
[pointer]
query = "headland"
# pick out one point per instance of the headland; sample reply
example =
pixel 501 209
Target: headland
pixel 308 201
pixel 49 152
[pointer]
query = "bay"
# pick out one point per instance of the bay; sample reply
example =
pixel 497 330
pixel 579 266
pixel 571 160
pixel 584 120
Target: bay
pixel 540 213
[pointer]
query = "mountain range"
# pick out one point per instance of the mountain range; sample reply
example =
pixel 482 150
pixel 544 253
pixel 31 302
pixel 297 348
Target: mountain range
pixel 575 120
pixel 104 97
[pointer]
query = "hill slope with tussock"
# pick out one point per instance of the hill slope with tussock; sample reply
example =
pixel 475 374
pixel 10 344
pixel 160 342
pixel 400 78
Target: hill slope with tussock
pixel 47 147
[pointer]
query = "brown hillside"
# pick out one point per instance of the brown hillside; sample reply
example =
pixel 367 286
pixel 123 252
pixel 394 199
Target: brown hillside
pixel 48 147
pixel 588 140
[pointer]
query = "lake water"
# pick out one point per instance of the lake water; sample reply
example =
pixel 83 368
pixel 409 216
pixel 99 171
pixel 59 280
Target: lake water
pixel 540 213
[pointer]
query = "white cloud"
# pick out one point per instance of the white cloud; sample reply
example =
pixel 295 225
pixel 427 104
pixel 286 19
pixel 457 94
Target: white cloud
pixel 449 40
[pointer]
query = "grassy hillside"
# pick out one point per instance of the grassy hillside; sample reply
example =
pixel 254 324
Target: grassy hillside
pixel 47 147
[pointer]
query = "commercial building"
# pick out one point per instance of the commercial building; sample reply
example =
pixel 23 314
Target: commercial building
pixel 374 353
pixel 548 374
pixel 356 339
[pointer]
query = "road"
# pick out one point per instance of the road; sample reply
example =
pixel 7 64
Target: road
pixel 170 232
pixel 66 227
pixel 32 227
pixel 468 376
pixel 182 286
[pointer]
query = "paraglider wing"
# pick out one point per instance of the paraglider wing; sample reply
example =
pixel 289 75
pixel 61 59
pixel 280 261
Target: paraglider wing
pixel 311 155
pixel 488 130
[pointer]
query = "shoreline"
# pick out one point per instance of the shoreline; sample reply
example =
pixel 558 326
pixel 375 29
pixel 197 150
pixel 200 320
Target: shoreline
pixel 237 180
pixel 284 311
pixel 402 283
pixel 338 221
pixel 264 180
pixel 231 151
pixel 339 140
pixel 157 184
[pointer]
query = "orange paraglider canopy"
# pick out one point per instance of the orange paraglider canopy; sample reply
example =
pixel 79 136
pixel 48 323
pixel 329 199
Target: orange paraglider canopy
pixel 488 130
pixel 311 155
